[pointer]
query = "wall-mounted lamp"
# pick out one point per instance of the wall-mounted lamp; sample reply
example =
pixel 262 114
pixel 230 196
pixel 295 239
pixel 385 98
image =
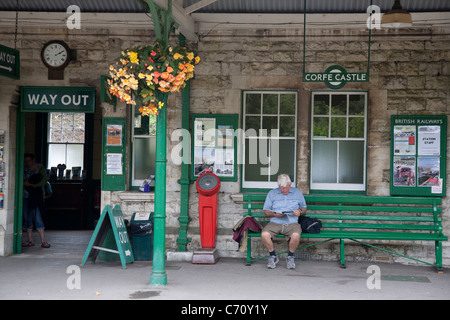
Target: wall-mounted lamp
pixel 396 17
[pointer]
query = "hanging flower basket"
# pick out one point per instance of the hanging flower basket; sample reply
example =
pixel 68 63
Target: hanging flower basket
pixel 140 72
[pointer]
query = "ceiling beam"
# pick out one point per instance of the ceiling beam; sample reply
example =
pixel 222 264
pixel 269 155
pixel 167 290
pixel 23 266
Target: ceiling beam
pixel 185 21
pixel 198 5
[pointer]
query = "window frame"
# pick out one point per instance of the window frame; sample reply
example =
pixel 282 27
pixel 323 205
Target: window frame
pixel 136 183
pixel 318 187
pixel 267 185
pixel 49 143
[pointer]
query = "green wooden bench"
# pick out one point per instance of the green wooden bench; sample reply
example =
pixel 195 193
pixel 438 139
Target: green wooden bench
pixel 356 218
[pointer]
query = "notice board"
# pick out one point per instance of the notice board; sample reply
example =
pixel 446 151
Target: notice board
pixel 110 219
pixel 418 155
pixel 113 154
pixel 214 143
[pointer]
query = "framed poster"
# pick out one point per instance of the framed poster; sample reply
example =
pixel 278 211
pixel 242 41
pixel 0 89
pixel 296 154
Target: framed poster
pixel 214 142
pixel 418 155
pixel 113 154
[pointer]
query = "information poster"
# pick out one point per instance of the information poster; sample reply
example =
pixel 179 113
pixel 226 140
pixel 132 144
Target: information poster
pixel 113 154
pixel 404 140
pixel 114 163
pixel 418 155
pixel 114 135
pixel 214 145
pixel 429 140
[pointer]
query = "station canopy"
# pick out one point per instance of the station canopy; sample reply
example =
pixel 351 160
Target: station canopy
pixel 193 16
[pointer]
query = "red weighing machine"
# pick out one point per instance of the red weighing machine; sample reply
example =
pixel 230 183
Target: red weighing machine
pixel 208 185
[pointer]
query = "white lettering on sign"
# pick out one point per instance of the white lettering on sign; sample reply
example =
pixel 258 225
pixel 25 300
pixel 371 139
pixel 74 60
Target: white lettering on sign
pixel 44 99
pixel 8 58
pixel 119 222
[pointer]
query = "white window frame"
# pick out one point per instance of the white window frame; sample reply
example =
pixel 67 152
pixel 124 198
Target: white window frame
pixel 66 143
pixel 267 184
pixel 339 186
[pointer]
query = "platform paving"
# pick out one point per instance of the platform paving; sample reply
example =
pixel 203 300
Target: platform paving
pixel 56 273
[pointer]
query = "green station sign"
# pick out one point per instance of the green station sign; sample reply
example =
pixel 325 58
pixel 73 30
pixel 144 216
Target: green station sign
pixel 58 99
pixel 9 62
pixel 335 77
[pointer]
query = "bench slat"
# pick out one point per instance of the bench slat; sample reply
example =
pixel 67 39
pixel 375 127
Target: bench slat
pixel 313 207
pixel 368 235
pixel 380 226
pixel 261 197
pixel 357 217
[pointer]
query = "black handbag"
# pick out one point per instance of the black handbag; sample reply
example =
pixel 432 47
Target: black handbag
pixel 309 225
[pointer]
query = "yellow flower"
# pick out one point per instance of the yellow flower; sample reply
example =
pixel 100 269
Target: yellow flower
pixel 141 76
pixel 150 68
pixel 197 59
pixel 177 56
pixel 133 57
pixel 160 104
pixel 190 55
pixel 189 67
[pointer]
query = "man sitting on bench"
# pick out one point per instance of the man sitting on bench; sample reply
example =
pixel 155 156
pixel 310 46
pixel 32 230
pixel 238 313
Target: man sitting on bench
pixel 283 205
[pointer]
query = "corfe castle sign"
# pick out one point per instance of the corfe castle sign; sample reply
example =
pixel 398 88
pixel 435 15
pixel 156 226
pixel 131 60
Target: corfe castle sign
pixel 335 77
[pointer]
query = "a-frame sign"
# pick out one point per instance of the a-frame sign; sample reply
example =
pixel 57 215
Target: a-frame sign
pixel 110 219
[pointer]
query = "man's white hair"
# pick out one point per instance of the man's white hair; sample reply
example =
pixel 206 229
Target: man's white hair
pixel 284 180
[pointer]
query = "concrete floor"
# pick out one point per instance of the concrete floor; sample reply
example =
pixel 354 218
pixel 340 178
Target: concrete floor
pixel 56 272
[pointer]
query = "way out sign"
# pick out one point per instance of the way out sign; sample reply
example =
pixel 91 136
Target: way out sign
pixel 335 77
pixel 110 219
pixel 9 62
pixel 58 99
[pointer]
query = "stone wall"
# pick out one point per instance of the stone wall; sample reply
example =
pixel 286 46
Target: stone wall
pixel 409 74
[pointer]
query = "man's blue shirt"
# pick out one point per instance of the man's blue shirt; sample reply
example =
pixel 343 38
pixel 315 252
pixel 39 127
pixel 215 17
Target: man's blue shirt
pixel 277 202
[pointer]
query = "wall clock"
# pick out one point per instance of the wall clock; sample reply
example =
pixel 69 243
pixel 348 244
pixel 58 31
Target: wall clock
pixel 55 55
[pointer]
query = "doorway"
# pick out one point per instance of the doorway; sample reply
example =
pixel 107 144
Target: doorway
pixel 65 139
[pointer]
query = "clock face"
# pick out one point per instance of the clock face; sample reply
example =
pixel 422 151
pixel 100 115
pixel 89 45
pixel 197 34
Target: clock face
pixel 55 55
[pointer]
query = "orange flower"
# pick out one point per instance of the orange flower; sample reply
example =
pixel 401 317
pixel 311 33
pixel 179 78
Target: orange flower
pixel 165 75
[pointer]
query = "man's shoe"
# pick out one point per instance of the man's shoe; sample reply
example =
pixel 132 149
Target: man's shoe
pixel 290 262
pixel 272 263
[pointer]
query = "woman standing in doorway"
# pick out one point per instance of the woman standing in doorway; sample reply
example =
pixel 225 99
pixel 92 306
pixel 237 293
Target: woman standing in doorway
pixel 35 179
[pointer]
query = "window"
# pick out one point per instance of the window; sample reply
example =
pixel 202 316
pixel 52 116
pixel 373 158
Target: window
pixel 143 148
pixel 338 146
pixel 66 137
pixel 269 123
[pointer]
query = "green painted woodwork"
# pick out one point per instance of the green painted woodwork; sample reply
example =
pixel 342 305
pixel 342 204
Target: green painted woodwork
pixel 358 218
pixel 229 120
pixel 415 154
pixel 18 200
pixel 113 182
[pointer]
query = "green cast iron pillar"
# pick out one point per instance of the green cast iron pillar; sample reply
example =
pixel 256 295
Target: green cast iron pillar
pixel 159 276
pixel 163 23
pixel 184 182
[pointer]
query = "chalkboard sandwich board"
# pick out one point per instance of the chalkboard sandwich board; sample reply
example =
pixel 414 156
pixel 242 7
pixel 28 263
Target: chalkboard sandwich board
pixel 110 219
